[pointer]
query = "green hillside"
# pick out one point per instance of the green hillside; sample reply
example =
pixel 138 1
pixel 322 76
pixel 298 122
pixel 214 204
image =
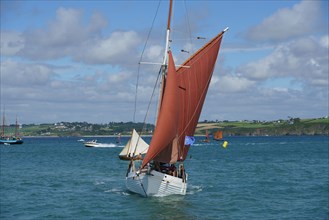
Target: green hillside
pixel 293 126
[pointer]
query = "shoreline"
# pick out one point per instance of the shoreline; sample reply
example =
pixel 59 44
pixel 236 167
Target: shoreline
pixel 199 135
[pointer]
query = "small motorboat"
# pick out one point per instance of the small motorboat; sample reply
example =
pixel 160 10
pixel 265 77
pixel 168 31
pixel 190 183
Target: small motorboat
pixel 92 143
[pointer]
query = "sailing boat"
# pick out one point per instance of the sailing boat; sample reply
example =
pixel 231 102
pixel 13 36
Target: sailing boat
pixel 207 137
pixel 218 135
pixel 135 148
pixel 118 141
pixel 162 172
pixel 9 140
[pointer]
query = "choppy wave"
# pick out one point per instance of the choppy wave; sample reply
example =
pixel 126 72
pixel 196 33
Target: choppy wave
pixel 193 189
pixel 276 178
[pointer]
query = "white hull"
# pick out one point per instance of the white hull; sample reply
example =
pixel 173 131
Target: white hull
pixel 155 183
pixel 91 144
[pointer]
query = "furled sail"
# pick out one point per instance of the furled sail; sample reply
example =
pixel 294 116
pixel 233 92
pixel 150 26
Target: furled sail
pixel 134 148
pixel 182 101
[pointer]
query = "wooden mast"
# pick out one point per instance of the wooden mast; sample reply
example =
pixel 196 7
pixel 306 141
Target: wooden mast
pixel 169 16
pixel 165 58
pixel 164 62
pixel 3 124
pixel 16 128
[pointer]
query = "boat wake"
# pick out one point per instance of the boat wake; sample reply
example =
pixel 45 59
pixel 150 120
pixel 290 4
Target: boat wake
pixel 118 191
pixel 193 189
pixel 107 145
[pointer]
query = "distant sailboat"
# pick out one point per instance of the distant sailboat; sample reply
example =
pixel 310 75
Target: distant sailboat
pixel 218 136
pixel 7 139
pixel 162 171
pixel 118 141
pixel 135 148
pixel 206 137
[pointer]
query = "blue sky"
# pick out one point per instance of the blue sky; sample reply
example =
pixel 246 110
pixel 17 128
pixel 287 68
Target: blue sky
pixel 78 60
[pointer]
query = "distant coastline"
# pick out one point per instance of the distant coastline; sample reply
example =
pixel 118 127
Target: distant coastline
pixel 292 126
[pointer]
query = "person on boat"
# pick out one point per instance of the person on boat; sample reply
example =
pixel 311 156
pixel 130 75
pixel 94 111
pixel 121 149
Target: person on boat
pixel 181 173
pixel 139 157
pixel 172 170
pixel 157 166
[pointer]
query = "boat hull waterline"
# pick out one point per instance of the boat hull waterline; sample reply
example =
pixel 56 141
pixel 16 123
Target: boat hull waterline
pixel 155 183
pixel 11 142
pixel 92 143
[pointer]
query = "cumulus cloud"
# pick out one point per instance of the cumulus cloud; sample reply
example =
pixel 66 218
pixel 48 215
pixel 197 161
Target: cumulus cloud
pixel 287 23
pixel 62 37
pixel 68 36
pixel 19 74
pixel 47 92
pixel 119 48
pixel 231 83
pixel 305 59
pixel 154 53
pixel 11 43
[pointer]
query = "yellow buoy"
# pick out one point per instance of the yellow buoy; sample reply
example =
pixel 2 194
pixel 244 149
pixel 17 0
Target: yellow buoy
pixel 225 144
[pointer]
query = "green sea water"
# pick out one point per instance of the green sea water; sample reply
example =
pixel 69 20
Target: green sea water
pixel 253 178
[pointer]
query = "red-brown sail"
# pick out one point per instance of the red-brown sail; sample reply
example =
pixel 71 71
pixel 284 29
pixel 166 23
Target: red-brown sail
pixel 218 135
pixel 166 129
pixel 184 94
pixel 193 83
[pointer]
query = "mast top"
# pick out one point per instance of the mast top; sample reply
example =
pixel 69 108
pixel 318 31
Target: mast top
pixel 169 16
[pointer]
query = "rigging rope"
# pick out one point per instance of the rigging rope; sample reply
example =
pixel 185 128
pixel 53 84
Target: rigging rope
pixel 188 23
pixel 148 108
pixel 150 102
pixel 148 36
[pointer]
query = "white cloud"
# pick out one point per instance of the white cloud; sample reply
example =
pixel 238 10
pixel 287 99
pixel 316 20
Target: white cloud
pixel 68 36
pixel 287 23
pixel 154 53
pixel 17 74
pixel 50 93
pixel 11 43
pixel 324 41
pixel 62 37
pixel 304 59
pixel 119 48
pixel 231 83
